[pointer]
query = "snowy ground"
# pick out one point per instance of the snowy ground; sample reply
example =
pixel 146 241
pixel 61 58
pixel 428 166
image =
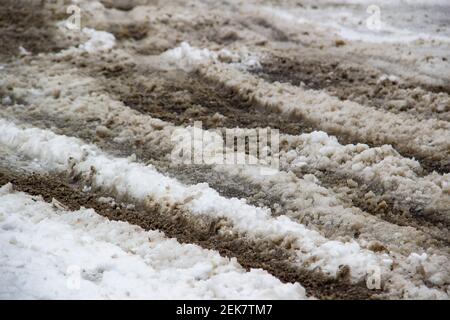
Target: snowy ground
pixel 93 204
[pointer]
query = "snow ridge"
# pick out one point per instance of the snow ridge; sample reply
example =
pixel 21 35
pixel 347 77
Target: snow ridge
pixel 94 258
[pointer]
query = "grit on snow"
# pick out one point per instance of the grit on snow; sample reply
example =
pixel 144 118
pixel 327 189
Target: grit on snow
pixel 359 206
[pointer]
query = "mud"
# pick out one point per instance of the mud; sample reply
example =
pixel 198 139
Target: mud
pixel 133 31
pixel 203 232
pixel 265 27
pixel 29 24
pixel 183 98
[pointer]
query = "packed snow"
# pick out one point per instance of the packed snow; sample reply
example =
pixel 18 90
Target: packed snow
pixel 127 178
pixel 189 58
pixel 326 197
pixel 98 40
pixel 49 253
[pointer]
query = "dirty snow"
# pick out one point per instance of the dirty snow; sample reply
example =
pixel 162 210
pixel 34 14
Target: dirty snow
pixel 49 253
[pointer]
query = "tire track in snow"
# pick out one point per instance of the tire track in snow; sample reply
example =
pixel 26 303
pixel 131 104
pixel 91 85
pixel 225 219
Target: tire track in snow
pixel 205 201
pixel 247 211
pixel 421 61
pixel 203 232
pixel 193 112
pixel 232 186
pixel 351 122
pixel 185 105
pixel 213 109
pixel 429 162
pixel 123 121
pixel 361 195
pixel 180 97
pixel 356 83
pixel 116 260
pixel 284 195
pixel 104 131
pixel 333 212
pixel 382 169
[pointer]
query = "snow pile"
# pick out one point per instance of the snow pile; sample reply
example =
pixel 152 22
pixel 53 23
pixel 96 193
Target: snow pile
pixel 23 51
pixel 243 59
pixel 54 254
pixel 89 39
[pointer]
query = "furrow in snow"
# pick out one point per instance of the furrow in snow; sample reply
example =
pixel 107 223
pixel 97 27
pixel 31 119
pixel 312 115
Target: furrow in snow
pixel 419 59
pixel 133 180
pixel 276 27
pixel 95 258
pixel 256 25
pixel 345 119
pixel 399 177
pixel 382 168
pixel 146 137
pixel 371 198
pixel 318 208
pixel 99 112
pixel 202 231
pixel 125 178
